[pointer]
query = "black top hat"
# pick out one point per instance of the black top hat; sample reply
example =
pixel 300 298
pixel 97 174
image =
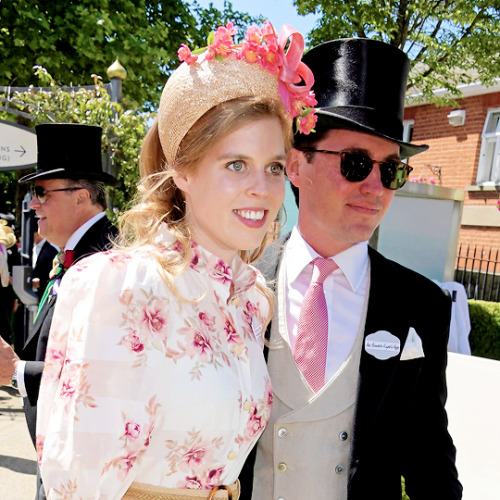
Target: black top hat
pixel 69 151
pixel 360 85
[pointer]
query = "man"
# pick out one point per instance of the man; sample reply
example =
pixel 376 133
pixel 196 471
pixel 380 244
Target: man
pixel 358 343
pixel 69 198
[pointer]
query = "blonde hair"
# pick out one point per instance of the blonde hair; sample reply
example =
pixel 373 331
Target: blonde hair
pixel 160 200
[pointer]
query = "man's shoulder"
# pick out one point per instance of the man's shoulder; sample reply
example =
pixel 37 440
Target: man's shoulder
pixel 97 238
pixel 269 261
pixel 396 275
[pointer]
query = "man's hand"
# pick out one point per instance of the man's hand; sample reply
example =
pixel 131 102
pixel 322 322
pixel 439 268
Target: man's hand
pixel 8 362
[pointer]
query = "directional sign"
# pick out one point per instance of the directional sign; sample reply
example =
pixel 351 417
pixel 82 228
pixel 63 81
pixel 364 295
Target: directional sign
pixel 17 146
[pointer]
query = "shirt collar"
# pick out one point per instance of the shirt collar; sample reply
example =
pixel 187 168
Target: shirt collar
pixel 353 262
pixel 240 274
pixel 78 234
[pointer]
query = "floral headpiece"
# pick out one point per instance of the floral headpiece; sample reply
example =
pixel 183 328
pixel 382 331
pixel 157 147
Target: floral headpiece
pixel 222 71
pixel 261 46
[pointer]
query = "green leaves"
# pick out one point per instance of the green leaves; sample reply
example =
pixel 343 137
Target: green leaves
pixel 75 39
pixel 123 131
pixel 449 43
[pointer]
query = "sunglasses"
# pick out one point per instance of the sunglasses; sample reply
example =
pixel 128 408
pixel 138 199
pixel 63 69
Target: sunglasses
pixel 42 193
pixel 356 167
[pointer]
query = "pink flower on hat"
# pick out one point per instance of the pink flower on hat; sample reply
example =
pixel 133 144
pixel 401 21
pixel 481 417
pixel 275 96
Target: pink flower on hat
pixel 307 123
pixel 270 58
pixel 262 46
pixel 184 54
pixel 253 35
pixel 249 52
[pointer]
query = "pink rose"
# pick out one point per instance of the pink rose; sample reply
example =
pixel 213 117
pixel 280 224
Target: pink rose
pixel 255 424
pixel 67 390
pixel 152 317
pixel 214 476
pixel 190 483
pixel 221 272
pixel 231 334
pixel 201 344
pixel 135 343
pixel 132 430
pixel 207 320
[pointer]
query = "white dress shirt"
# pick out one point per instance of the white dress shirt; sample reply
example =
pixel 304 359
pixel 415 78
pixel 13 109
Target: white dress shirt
pixel 345 291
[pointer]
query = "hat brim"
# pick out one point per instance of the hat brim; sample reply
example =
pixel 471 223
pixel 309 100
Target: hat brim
pixel 61 173
pixel 329 119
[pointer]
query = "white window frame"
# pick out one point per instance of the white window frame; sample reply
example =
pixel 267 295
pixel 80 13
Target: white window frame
pixel 488 171
pixel 408 126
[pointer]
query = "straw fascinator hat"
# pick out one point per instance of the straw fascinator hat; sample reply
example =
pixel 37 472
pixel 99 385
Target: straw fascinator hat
pixel 225 71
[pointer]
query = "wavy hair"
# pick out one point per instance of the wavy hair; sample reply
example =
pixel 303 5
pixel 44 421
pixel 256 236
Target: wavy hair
pixel 159 200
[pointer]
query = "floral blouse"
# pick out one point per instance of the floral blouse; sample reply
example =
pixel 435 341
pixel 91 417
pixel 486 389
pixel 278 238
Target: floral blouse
pixel 140 386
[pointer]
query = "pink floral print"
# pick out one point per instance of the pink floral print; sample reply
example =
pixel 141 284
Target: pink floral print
pixel 142 386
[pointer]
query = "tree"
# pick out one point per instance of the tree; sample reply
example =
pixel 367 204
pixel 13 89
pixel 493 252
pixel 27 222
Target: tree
pixel 123 130
pixel 449 42
pixel 73 40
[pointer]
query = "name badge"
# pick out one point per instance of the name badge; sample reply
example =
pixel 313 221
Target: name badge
pixel 382 344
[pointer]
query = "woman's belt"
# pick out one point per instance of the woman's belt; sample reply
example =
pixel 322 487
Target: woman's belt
pixel 140 491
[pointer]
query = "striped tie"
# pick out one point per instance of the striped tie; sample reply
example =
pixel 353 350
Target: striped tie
pixel 312 333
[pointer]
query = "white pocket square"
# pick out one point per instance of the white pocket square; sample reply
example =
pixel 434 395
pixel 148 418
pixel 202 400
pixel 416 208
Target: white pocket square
pixel 413 346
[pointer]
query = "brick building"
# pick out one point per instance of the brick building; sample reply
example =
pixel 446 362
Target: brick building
pixel 464 153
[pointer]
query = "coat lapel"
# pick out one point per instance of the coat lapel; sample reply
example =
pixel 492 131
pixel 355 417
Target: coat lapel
pixel 387 311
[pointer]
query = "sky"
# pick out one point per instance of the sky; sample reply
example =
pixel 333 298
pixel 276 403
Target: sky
pixel 279 12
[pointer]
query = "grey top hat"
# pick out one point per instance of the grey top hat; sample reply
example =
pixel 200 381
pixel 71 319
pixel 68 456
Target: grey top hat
pixel 360 85
pixel 69 151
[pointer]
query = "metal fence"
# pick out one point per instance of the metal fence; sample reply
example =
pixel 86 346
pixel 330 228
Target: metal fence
pixel 478 269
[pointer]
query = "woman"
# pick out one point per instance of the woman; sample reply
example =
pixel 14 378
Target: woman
pixel 154 379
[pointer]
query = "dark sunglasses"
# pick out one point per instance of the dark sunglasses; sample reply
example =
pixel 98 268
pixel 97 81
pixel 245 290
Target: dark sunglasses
pixel 356 167
pixel 42 193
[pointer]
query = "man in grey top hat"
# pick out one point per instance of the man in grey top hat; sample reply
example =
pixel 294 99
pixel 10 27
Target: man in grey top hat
pixel 358 343
pixel 69 197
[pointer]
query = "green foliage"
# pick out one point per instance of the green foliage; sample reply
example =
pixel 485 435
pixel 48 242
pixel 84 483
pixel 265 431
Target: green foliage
pixel 76 39
pixel 449 43
pixel 123 131
pixel 484 337
pixel 8 181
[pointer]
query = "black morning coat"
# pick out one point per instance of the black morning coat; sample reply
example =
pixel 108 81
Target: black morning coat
pixel 400 423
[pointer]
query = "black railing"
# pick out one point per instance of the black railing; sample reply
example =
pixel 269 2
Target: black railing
pixel 478 269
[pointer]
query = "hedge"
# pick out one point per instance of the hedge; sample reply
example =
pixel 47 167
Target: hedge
pixel 484 337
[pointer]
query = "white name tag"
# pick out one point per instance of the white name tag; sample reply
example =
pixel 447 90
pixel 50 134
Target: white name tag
pixel 382 344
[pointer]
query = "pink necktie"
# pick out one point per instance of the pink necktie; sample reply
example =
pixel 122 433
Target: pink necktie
pixel 312 334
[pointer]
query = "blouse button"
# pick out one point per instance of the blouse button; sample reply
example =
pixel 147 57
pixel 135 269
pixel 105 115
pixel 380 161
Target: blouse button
pixel 282 432
pixel 343 436
pixel 232 455
pixel 234 301
pixel 247 405
pixel 282 466
pixel 339 469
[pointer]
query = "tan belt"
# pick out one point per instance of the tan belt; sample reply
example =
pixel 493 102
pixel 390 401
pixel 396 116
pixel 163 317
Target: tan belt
pixel 140 491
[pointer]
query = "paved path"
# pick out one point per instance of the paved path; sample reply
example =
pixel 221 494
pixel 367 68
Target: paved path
pixel 17 454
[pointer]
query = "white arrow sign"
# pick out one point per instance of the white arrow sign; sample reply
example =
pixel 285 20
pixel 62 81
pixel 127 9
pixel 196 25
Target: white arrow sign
pixel 17 146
